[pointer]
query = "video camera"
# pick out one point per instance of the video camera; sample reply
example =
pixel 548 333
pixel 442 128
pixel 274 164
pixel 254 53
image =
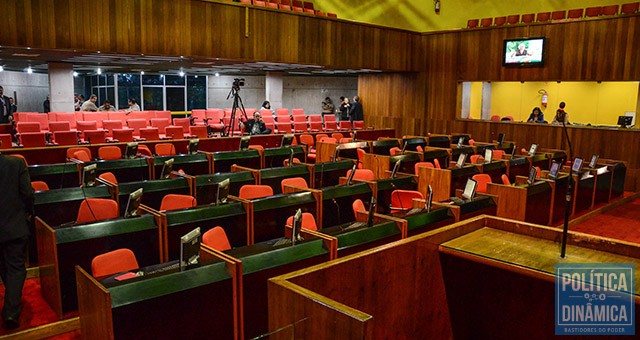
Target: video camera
pixel 237 82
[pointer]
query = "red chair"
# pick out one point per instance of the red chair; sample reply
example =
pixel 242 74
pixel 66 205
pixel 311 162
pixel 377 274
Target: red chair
pixel 83 125
pixel 97 209
pixel 486 22
pixel 610 10
pixel 308 222
pixel 174 132
pixel 300 127
pixel 40 118
pixel 109 152
pixel 332 15
pixel 6 141
pixel 476 159
pixel 284 127
pixel 251 191
pixel 144 151
pixel 165 149
pixel 495 118
pixel 358 124
pixel 482 180
pixel 22 127
pixel 344 125
pixel 330 123
pixel 543 17
pixel 436 163
pixel 505 179
pixel 217 239
pixel 357 205
pixel 184 122
pixel 285 5
pixel 319 136
pixel 65 137
pixel 394 151
pixel 402 200
pixel 150 134
pixel 499 21
pixel 559 15
pixel 576 13
pixel 538 172
pixel 329 140
pixel 507 118
pixel 473 23
pixel 71 151
pixel 160 123
pixel 113 262
pixel 95 136
pixel 630 8
pixel 422 165
pixel 59 126
pixel 592 12
pixel 308 7
pixel 109 177
pixel 272 4
pixel 498 154
pixel 295 182
pixel 513 19
pixel 136 125
pixel 337 136
pixel 259 4
pixel 111 125
pixel 528 18
pixel 176 202
pixel 33 139
pixel 39 186
pixel 123 135
pixel 362 174
pixel 198 131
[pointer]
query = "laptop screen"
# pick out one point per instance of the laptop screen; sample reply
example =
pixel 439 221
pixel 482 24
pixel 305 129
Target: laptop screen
pixel 470 189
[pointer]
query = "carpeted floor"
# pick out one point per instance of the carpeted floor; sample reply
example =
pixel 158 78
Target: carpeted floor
pixel 35 311
pixel 622 223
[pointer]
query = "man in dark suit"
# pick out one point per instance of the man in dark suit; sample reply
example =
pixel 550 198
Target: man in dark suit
pixel 6 116
pixel 16 210
pixel 355 113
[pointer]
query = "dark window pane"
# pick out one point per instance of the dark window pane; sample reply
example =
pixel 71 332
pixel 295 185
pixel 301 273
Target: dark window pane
pixel 174 80
pixel 196 92
pixel 102 95
pixel 175 98
pixel 110 94
pixel 152 80
pixel 128 87
pixel 152 98
pixel 110 79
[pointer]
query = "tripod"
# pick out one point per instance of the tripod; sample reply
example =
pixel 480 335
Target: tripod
pixel 237 104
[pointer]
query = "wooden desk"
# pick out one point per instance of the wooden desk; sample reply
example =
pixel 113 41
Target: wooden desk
pixel 197 164
pixel 531 203
pixel 274 176
pixel 274 157
pixel 337 201
pixel 444 182
pixel 60 249
pixel 57 176
pixel 204 184
pixel 223 160
pixel 154 191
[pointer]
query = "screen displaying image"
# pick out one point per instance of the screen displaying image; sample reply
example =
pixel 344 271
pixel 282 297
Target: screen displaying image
pixel 523 52
pixel 594 161
pixel 470 189
pixel 532 175
pixel 488 155
pixel 553 172
pixel 532 150
pixel 461 159
pixel 577 165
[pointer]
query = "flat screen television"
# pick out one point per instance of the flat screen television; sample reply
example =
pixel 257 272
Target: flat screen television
pixel 523 52
pixel 89 175
pixel 131 151
pixel 190 249
pixel 133 203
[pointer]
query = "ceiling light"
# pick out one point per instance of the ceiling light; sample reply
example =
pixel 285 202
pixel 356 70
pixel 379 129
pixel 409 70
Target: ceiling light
pixel 142 73
pixel 1 68
pixel 29 70
pixel 181 73
pixel 75 74
pixel 217 74
pixel 196 76
pixel 162 76
pixel 99 70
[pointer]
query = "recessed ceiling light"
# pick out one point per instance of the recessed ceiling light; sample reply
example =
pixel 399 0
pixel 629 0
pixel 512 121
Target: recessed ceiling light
pixel 75 74
pixel 29 70
pixel 181 73
pixel 217 74
pixel 1 68
pixel 99 70
pixel 142 73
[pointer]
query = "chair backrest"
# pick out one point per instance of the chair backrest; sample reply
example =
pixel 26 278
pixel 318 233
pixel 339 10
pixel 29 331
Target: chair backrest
pixel 403 199
pixel 475 159
pixel 83 125
pixel 357 205
pixel 294 181
pixel 160 123
pixel 165 149
pixel 498 154
pixel 308 221
pixel 174 132
pixel 59 126
pixel 513 19
pixel 505 179
pixel 486 22
pixel 575 13
pixel 610 10
pixel 329 140
pixel 175 202
pixel 39 186
pixel 67 117
pixel 109 177
pixel 33 139
pixel 71 151
pixel 495 118
pixel 395 151
pixel 150 133
pixel 307 139
pixel 6 141
pixel 184 122
pixel 473 23
pixel 630 8
pixel 113 262
pixel 109 152
pixel 337 135
pixel 123 135
pixel 95 136
pixel 23 127
pixel 538 172
pixel 136 125
pixel 543 16
pixel 528 18
pixel 482 180
pixel 436 163
pixel 144 150
pixel 111 125
pixel 423 165
pixel 558 15
pixel 499 21
pixel 40 118
pixel 216 238
pixel 97 209
pixel 198 131
pixel 251 191
pixel 362 174
pixel 320 136
pixel 358 124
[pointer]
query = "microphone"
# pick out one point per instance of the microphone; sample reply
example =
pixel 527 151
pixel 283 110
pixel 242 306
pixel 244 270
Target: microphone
pixel 321 175
pixel 333 200
pixel 399 199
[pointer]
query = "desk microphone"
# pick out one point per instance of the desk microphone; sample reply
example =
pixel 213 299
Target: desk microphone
pixel 399 199
pixel 333 200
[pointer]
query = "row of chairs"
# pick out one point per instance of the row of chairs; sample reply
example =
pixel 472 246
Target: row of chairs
pixel 46 119
pixel 290 5
pixel 572 14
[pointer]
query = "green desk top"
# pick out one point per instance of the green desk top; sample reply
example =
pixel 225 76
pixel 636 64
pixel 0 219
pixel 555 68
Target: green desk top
pixel 264 255
pixel 204 213
pixel 158 185
pixel 181 159
pixel 104 228
pixel 71 194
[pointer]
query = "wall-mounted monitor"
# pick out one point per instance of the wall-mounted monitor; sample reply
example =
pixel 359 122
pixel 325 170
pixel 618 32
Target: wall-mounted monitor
pixel 523 52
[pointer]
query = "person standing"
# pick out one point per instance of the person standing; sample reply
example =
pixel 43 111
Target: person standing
pixel 327 107
pixel 90 105
pixel 6 116
pixel 344 108
pixel 355 113
pixel 46 105
pixel 16 210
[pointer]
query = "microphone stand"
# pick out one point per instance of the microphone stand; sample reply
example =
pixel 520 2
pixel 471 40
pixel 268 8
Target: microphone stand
pixel 567 207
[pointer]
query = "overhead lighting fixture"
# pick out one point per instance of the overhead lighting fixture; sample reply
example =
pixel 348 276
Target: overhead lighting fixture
pixel 29 70
pixel 196 76
pixel 162 76
pixel 217 74
pixel 181 73
pixel 142 73
pixel 99 70
pixel 75 74
pixel 1 68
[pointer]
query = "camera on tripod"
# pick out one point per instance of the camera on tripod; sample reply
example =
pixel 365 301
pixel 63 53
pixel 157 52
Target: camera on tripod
pixel 237 82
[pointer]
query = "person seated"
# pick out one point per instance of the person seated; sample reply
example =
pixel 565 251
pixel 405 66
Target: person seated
pixel 255 126
pixel 266 106
pixel 90 105
pixel 132 105
pixel 536 116
pixel 561 116
pixel 106 106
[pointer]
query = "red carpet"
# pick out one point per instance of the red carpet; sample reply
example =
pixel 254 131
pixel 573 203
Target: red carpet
pixel 35 311
pixel 622 223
